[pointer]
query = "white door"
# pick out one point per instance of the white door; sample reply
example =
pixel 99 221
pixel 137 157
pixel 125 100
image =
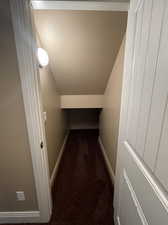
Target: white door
pixel 141 191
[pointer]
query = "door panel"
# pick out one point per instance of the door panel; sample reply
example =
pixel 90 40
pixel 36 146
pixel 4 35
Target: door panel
pixel 151 196
pixel 142 181
pixel 140 72
pixel 159 98
pixel 136 62
pixel 132 214
pixel 149 73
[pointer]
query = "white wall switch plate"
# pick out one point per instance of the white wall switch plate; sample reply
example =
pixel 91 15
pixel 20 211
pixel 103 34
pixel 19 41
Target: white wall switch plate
pixel 20 195
pixel 45 116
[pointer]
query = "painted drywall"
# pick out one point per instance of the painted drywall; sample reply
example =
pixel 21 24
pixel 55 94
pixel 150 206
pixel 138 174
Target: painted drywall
pixel 56 121
pixel 81 101
pixel 16 173
pixel 82 46
pixel 83 118
pixel 110 115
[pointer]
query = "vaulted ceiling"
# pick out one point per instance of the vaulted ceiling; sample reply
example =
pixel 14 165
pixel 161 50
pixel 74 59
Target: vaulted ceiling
pixel 82 47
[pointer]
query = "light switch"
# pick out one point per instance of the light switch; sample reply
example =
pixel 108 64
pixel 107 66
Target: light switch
pixel 20 195
pixel 45 116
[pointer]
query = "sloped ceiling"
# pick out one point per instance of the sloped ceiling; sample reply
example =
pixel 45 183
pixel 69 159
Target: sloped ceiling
pixel 82 46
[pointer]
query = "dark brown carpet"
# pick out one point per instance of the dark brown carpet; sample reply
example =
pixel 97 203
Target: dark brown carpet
pixel 82 193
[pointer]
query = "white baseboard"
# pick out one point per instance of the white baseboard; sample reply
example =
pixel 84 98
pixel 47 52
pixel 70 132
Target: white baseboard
pixel 108 164
pixel 20 217
pixel 54 173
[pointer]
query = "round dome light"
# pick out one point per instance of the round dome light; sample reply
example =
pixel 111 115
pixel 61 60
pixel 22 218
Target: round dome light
pixel 42 57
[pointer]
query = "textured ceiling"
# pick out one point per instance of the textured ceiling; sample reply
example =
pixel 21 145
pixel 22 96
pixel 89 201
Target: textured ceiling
pixel 82 46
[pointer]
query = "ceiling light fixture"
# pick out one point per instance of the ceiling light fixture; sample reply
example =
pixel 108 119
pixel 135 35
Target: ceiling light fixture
pixel 43 58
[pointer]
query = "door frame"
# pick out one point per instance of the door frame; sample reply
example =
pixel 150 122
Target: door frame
pixel 23 27
pixel 26 48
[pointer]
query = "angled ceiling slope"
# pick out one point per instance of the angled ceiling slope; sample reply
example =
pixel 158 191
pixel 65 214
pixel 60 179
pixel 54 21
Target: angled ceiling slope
pixel 82 46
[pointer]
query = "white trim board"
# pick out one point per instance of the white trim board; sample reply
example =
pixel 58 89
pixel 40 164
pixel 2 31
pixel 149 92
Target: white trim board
pixel 81 101
pixel 117 220
pixel 20 217
pixel 108 164
pixel 54 173
pixel 80 5
pixel 28 70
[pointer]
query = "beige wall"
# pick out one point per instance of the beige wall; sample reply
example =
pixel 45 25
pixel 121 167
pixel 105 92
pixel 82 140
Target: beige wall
pixel 15 161
pixel 56 118
pixel 109 119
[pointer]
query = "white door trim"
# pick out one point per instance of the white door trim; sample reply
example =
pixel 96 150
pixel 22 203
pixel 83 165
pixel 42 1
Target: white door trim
pixel 28 70
pixel 80 5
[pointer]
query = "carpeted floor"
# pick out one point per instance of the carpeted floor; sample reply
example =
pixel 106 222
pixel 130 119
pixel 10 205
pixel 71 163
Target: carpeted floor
pixel 82 193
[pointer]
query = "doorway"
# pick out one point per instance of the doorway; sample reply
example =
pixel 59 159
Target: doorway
pixel 43 168
pixel 85 66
